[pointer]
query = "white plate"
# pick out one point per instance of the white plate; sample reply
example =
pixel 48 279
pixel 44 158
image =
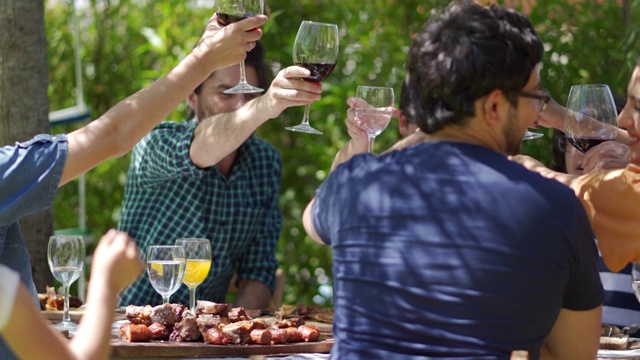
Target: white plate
pixel 628 354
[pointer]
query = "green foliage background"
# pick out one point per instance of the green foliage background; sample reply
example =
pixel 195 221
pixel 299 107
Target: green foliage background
pixel 127 44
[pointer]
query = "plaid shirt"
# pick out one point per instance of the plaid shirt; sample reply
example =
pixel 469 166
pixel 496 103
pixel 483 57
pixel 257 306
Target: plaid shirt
pixel 168 197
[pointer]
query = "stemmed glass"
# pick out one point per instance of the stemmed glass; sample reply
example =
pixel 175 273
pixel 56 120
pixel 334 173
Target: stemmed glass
pixel 198 256
pixel 530 135
pixel 316 49
pixel 165 268
pixel 374 109
pixel 230 11
pixel 591 116
pixel 66 254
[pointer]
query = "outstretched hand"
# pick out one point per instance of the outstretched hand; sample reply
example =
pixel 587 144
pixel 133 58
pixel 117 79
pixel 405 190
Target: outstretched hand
pixel 116 260
pixel 287 90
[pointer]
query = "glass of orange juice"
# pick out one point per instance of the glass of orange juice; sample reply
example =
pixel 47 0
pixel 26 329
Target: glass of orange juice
pixel 198 258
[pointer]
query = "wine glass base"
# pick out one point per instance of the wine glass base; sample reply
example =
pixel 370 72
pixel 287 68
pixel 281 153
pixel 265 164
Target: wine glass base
pixel 70 327
pixel 530 135
pixel 243 88
pixel 305 129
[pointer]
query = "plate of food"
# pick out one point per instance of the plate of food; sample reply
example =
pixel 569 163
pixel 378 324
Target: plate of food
pixel 214 330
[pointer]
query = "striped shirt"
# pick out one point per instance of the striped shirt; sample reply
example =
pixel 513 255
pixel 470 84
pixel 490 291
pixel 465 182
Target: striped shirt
pixel 621 307
pixel 167 197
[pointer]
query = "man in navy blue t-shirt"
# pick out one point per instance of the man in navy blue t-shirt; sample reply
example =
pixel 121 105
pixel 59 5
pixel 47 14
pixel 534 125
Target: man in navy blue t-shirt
pixel 446 248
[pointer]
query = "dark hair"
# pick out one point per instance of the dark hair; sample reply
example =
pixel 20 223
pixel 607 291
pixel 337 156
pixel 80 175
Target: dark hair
pixel 464 52
pixel 255 59
pixel 405 104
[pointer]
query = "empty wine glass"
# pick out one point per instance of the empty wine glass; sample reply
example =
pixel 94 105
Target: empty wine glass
pixel 198 256
pixel 373 110
pixel 65 254
pixel 230 11
pixel 165 268
pixel 591 116
pixel 316 49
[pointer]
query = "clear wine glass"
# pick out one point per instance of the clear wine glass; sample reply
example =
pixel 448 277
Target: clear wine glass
pixel 374 110
pixel 591 116
pixel 198 256
pixel 165 267
pixel 316 49
pixel 230 11
pixel 530 135
pixel 66 254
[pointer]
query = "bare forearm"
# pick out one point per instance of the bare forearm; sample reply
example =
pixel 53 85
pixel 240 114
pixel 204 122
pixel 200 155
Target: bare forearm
pixel 92 339
pixel 252 294
pixel 350 149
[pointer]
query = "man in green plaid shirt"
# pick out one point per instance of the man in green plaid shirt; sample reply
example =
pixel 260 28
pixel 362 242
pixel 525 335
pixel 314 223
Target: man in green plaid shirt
pixel 211 178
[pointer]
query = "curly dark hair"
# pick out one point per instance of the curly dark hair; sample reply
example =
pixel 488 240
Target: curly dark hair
pixel 463 53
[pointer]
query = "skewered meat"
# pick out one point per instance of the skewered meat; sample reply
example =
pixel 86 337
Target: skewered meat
pixel 139 314
pixel 286 323
pixel 260 336
pixel 163 314
pixel 309 333
pixel 278 336
pixel 238 314
pixel 158 331
pixel 215 336
pixel 178 309
pixel 135 332
pixel 293 335
pixel 209 307
pixel 239 332
pixel 52 301
pixel 187 329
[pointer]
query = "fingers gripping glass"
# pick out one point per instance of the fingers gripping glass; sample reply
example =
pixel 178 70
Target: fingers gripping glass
pixel 542 98
pixel 230 11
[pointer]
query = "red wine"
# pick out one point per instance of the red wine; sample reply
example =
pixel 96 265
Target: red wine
pixel 319 71
pixel 226 19
pixel 584 144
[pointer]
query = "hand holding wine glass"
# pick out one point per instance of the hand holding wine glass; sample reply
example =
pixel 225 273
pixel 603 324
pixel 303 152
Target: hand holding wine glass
pixel 229 12
pixel 66 254
pixel 591 116
pixel 165 267
pixel 374 110
pixel 198 261
pixel 316 49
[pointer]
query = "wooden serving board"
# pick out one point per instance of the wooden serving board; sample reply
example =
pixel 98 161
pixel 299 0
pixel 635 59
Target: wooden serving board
pixel 167 349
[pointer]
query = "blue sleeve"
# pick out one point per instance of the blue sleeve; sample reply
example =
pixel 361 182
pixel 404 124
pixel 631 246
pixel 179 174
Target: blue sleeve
pixel 31 172
pixel 325 213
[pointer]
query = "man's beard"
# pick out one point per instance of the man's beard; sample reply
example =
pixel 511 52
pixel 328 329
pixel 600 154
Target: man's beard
pixel 512 134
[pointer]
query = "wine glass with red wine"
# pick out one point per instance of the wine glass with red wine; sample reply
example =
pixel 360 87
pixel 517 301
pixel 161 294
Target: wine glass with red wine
pixel 591 116
pixel 316 49
pixel 230 11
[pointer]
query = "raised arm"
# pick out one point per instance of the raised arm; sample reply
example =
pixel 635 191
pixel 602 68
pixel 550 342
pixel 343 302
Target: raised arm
pixel 218 136
pixel 116 262
pixel 119 129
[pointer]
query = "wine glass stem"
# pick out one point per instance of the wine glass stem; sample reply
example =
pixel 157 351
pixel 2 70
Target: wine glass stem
pixel 371 140
pixel 305 118
pixel 243 74
pixel 165 299
pixel 192 299
pixel 65 317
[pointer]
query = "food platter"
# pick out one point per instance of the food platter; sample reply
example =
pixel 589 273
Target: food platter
pixel 160 349
pixel 632 353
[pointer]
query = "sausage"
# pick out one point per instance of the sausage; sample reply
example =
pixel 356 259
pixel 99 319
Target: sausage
pixel 135 332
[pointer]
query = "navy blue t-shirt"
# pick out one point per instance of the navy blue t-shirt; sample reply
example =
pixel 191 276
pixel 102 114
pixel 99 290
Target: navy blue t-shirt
pixel 450 249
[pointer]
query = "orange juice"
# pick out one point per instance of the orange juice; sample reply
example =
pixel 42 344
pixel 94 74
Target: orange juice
pixel 197 270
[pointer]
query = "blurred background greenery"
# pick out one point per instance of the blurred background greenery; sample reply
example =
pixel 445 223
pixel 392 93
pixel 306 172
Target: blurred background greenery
pixel 127 44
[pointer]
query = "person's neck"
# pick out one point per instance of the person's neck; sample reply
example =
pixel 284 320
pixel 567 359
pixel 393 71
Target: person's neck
pixel 468 135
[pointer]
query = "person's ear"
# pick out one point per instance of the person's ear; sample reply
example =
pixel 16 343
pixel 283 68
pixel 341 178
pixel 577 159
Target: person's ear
pixel 403 125
pixel 192 100
pixel 493 107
